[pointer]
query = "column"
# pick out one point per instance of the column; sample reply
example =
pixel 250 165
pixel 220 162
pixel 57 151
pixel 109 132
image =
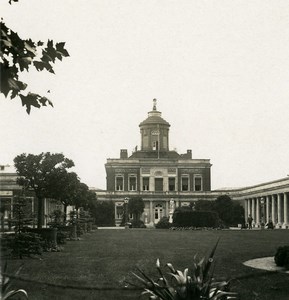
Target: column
pixel 253 212
pixel 115 213
pixel 249 208
pixel 12 206
pixel 273 209
pixel 246 209
pixel 257 212
pixel 285 210
pixel 32 205
pixel 279 209
pixel 267 209
pixel 167 208
pixel 151 212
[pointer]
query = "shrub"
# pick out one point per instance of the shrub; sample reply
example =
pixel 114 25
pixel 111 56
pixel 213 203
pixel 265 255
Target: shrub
pixel 137 224
pixel 282 257
pixel 104 213
pixel 47 235
pixel 80 228
pixel 163 223
pixel 57 218
pixel 23 244
pixel 63 233
pixel 190 218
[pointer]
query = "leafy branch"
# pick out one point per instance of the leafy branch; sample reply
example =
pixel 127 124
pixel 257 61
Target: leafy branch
pixel 19 55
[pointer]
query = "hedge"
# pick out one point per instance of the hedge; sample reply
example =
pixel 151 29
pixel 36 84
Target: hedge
pixel 190 218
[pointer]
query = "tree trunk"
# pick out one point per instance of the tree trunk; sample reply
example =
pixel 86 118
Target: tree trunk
pixel 65 212
pixel 2 222
pixel 40 212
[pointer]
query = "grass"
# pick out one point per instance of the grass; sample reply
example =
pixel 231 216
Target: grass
pixel 104 259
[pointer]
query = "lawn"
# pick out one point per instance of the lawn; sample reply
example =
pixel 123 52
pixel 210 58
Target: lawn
pixel 97 266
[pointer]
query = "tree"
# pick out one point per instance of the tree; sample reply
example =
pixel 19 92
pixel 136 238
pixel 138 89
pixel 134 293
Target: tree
pixel 81 197
pixel 90 200
pixel 230 212
pixel 18 55
pixel 38 172
pixel 238 214
pixel 103 212
pixel 204 205
pixel 224 207
pixel 136 207
pixel 65 188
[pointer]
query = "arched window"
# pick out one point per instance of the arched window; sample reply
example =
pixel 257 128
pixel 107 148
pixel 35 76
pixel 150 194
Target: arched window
pixel 158 213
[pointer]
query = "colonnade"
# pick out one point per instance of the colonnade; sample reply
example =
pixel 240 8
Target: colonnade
pixel 272 207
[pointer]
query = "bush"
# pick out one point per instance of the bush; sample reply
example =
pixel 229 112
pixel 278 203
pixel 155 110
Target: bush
pixel 163 223
pixel 48 235
pixel 189 218
pixel 57 218
pixel 103 213
pixel 23 244
pixel 282 257
pixel 137 224
pixel 63 233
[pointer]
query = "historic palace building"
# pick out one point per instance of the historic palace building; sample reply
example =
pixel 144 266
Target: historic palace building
pixel 156 173
pixel 165 179
pixel 161 176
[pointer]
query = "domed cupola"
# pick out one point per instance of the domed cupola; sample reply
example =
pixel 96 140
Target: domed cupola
pixel 154 131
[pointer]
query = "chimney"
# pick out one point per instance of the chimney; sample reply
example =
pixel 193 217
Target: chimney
pixel 189 153
pixel 123 153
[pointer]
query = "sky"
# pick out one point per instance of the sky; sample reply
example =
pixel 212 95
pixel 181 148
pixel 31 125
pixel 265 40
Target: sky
pixel 218 69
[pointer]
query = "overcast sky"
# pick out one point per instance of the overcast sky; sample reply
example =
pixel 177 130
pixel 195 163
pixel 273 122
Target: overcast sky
pixel 219 69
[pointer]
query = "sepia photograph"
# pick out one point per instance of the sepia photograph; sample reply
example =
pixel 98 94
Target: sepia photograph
pixel 144 149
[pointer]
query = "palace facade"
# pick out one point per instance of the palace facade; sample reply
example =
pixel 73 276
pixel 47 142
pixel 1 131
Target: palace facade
pixel 156 173
pixel 161 176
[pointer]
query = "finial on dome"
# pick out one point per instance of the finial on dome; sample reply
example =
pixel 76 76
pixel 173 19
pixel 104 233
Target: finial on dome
pixel 155 104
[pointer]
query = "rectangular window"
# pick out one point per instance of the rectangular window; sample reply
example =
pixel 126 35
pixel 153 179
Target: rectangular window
pixel 185 183
pixel 172 184
pixel 158 184
pixel 198 183
pixel 119 183
pixel 146 183
pixel 132 183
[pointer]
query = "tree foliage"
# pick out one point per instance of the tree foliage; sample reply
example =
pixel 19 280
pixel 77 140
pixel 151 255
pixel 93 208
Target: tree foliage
pixel 204 205
pixel 82 193
pixel 103 213
pixel 38 172
pixel 18 55
pixel 229 212
pixel 136 207
pixel 65 186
